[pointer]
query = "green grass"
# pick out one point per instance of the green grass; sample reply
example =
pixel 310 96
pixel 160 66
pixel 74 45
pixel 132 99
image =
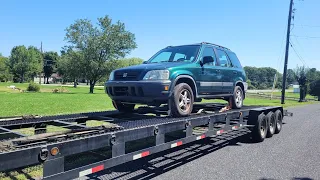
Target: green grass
pixel 14 103
pixel 289 93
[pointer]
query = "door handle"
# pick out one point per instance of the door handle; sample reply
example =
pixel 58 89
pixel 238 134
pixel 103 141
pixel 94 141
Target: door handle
pixel 235 72
pixel 217 70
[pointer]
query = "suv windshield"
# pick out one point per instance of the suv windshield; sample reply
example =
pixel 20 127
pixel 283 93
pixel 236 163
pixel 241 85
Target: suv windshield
pixel 176 54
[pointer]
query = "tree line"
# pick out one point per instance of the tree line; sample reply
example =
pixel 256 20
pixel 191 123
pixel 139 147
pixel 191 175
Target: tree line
pixel 263 77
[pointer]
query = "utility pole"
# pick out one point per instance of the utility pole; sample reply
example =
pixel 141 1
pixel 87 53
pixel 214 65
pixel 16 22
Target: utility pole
pixel 42 62
pixel 287 54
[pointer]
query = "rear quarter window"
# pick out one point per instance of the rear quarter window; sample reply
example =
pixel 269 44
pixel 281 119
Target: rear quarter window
pixel 234 60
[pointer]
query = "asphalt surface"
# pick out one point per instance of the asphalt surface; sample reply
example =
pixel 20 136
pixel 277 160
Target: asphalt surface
pixel 292 154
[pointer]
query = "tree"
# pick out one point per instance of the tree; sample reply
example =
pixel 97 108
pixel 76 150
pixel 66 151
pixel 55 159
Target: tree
pixel 24 63
pixel 4 70
pixel 99 44
pixel 69 66
pixel 312 75
pixel 290 76
pixel 315 88
pixel 49 64
pixel 301 77
pixel 263 77
pixel 35 61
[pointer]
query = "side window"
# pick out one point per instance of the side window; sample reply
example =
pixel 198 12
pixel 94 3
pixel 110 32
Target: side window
pixel 223 58
pixel 179 57
pixel 234 59
pixel 208 51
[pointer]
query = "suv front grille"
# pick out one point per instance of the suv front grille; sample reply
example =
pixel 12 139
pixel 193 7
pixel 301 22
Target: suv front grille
pixel 126 75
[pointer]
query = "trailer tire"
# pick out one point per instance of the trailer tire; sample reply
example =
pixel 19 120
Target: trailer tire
pixel 259 131
pixel 181 102
pixel 279 118
pixel 271 118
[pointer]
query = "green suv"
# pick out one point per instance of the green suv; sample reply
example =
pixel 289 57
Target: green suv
pixel 179 76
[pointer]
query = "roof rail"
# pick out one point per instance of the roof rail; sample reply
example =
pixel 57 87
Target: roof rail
pixel 215 45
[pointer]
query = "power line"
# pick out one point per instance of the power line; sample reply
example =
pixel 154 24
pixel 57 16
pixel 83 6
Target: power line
pixel 298 55
pixel 307 37
pixel 281 53
pixel 307 26
pixel 303 52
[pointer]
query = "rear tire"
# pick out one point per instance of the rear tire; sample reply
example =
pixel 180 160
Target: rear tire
pixel 181 102
pixel 237 98
pixel 271 118
pixel 259 131
pixel 123 107
pixel 279 118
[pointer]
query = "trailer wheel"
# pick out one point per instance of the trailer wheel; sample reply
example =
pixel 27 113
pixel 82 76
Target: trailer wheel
pixel 271 118
pixel 259 131
pixel 279 118
pixel 181 102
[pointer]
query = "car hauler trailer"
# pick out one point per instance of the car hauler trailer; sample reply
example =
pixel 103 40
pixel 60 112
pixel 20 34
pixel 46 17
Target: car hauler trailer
pixel 51 149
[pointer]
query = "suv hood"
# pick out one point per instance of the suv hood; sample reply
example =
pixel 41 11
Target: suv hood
pixel 137 72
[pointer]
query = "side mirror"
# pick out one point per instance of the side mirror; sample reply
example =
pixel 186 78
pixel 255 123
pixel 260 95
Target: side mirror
pixel 206 60
pixel 145 62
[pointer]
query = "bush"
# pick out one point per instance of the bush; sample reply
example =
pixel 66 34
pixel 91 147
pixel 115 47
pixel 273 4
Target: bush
pixel 32 87
pixel 315 88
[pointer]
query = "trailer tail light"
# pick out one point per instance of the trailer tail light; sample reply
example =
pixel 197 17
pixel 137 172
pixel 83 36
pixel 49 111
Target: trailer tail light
pixel 220 132
pixel 201 137
pixel 140 155
pixel 91 170
pixel 54 151
pixel 176 144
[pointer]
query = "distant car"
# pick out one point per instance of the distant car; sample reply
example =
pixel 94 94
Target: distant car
pixel 179 76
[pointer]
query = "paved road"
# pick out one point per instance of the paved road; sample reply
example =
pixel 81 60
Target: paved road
pixel 292 154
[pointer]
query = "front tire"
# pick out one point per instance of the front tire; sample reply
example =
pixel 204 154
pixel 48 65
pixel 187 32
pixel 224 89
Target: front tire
pixel 123 107
pixel 237 98
pixel 181 101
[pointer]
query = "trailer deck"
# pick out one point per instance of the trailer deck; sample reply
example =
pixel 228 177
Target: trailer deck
pixel 143 125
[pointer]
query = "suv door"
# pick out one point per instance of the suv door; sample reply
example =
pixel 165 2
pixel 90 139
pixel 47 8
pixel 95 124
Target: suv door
pixel 228 73
pixel 210 77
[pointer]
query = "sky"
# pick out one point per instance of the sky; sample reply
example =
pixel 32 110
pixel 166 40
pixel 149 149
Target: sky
pixel 254 29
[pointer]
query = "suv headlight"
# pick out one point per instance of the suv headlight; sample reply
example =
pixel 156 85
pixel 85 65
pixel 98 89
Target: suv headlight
pixel 111 76
pixel 157 75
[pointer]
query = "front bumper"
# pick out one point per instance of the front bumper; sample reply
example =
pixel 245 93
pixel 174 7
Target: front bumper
pixel 144 92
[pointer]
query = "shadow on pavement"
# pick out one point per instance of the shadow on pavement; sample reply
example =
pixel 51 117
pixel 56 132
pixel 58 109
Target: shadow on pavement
pixel 162 162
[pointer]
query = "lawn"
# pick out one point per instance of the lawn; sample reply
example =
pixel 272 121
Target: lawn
pixel 289 93
pixel 75 100
pixel 14 103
